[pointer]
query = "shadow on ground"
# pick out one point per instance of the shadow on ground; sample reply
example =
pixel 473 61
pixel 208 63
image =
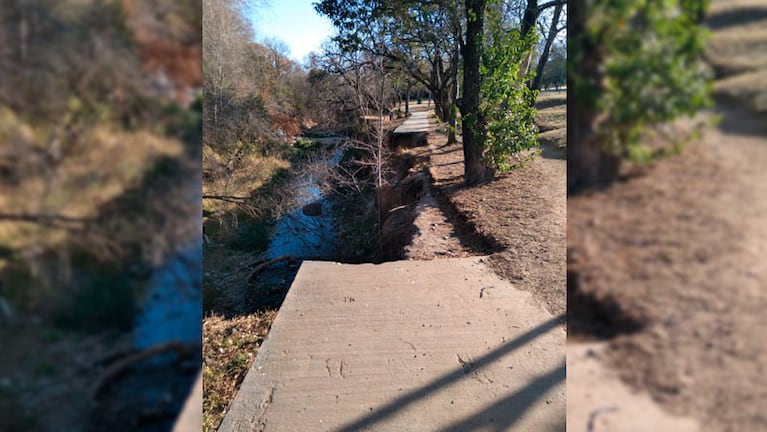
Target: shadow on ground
pixel 501 414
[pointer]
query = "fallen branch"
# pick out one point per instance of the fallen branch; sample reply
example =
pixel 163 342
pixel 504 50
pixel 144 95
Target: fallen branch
pixel 51 221
pixel 120 366
pixel 227 198
pixel 260 260
pixel 261 267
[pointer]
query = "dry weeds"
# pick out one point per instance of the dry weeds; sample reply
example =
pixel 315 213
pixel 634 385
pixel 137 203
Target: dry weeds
pixel 229 347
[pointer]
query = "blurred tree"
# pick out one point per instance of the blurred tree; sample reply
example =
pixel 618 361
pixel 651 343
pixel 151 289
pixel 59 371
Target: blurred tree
pixel 634 66
pixel 91 152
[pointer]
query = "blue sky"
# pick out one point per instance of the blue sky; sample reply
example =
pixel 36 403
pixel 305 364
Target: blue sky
pixel 294 22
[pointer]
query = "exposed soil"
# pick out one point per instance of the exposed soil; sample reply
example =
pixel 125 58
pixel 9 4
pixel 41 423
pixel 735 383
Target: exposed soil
pixel 679 247
pixel 518 218
pixel 681 250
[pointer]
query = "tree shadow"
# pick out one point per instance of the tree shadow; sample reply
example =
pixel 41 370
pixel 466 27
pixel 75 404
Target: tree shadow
pixel 739 120
pixel 549 151
pixel 736 17
pixel 597 317
pixel 507 411
pixel 464 229
pixel 550 103
pixel 503 412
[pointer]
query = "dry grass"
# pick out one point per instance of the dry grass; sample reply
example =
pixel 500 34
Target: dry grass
pixel 556 138
pixel 750 88
pixel 248 173
pixel 552 118
pixel 229 347
pixel 72 181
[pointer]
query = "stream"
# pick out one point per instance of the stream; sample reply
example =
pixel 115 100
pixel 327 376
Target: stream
pixel 172 308
pixel 151 394
pixel 308 231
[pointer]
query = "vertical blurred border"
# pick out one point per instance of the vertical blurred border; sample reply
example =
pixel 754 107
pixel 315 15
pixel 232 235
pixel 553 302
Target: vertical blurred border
pixel 667 196
pixel 100 213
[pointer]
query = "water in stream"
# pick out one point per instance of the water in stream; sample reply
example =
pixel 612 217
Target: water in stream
pixel 172 310
pixel 151 394
pixel 307 236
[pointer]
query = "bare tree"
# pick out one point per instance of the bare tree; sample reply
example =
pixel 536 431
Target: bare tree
pixel 554 28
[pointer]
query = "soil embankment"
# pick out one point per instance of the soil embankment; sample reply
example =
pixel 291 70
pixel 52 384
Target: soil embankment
pixel 518 219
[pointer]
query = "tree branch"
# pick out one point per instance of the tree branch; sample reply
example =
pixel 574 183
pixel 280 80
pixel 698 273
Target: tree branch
pixel 52 221
pixel 122 365
pixel 261 267
pixel 552 3
pixel 227 198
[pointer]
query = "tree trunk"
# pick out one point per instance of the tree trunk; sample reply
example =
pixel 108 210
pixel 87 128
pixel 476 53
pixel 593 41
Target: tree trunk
pixel 454 65
pixel 407 100
pixel 587 164
pixel 528 26
pixel 536 84
pixel 475 166
pixel 451 116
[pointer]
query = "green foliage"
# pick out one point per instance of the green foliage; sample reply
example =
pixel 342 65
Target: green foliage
pixel 237 364
pixel 304 143
pixel 506 102
pixel 555 71
pixel 652 68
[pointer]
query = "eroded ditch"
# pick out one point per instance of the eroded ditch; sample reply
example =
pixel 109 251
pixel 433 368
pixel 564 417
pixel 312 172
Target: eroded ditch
pixel 317 227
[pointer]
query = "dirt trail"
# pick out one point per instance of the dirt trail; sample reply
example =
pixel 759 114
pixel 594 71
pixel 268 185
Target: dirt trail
pixel 518 219
pixel 681 249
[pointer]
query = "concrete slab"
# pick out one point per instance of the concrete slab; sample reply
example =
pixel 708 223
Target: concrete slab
pixel 417 123
pixel 600 402
pixel 409 345
pixel 190 419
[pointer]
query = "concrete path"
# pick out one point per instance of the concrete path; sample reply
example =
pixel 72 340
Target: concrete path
pixel 600 402
pixel 417 123
pixel 411 345
pixel 190 419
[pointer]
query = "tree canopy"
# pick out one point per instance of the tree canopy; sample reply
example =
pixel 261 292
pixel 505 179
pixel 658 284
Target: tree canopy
pixel 472 55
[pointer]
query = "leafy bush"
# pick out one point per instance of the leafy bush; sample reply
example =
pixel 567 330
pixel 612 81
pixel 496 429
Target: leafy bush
pixel 653 72
pixel 506 102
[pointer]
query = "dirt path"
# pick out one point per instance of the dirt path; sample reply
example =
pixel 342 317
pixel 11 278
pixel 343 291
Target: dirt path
pixel 521 214
pixel 518 219
pixel 680 251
